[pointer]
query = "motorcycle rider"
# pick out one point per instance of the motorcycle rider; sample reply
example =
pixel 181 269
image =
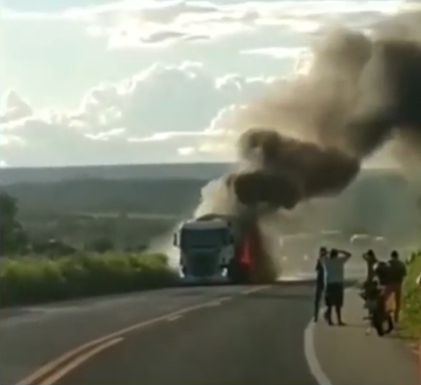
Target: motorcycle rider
pixel 385 300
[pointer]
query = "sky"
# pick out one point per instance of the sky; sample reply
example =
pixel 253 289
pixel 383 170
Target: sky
pixel 100 82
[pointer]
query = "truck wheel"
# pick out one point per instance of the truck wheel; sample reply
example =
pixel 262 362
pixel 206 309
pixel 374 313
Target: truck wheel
pixel 232 273
pixel 237 273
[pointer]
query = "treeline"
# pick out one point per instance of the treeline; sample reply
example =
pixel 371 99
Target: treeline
pixel 67 234
pixel 91 232
pixel 200 170
pixel 32 272
pixel 370 197
pixel 98 195
pixel 382 203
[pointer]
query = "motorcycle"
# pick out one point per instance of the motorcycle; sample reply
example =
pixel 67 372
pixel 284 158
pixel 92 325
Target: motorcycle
pixel 379 307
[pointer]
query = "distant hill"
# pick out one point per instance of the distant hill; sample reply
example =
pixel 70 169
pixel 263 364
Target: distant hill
pixel 151 189
pixel 379 201
pixel 205 171
pixel 163 196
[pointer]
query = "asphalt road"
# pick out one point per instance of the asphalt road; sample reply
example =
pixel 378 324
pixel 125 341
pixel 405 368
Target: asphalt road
pixel 212 335
pixel 31 337
pixel 254 339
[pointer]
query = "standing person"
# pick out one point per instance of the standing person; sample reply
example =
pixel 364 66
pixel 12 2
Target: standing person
pixel 320 282
pixel 334 266
pixel 371 260
pixel 397 275
pixel 369 287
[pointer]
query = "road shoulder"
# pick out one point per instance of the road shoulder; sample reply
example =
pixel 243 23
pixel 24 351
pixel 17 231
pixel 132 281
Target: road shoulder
pixel 348 356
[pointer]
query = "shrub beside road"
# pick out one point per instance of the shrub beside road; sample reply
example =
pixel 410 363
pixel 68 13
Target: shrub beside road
pixel 411 309
pixel 35 279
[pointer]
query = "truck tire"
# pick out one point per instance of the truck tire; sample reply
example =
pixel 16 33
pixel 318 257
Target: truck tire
pixel 237 273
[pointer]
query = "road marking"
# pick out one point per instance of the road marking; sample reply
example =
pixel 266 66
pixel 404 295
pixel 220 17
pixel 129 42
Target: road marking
pixel 218 302
pixel 71 354
pixel 311 356
pixel 79 360
pixel 175 317
pixel 254 289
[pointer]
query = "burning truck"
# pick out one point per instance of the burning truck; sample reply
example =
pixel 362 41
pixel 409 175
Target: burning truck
pixel 214 246
pixel 285 173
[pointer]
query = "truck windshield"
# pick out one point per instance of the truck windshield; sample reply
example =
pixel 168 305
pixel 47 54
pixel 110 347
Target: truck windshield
pixel 204 238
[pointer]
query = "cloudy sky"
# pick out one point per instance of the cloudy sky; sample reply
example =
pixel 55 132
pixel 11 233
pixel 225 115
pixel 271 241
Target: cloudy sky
pixel 98 82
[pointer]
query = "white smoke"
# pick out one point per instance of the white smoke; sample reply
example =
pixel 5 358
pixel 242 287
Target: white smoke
pixel 216 198
pixel 163 244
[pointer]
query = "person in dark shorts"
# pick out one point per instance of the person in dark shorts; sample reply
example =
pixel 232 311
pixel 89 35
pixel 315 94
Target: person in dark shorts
pixel 320 282
pixel 334 266
pixel 397 276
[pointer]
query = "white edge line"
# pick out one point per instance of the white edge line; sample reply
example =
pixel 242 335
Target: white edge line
pixel 311 356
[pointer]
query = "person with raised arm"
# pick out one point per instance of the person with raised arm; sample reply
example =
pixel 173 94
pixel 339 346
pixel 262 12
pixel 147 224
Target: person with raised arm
pixel 334 266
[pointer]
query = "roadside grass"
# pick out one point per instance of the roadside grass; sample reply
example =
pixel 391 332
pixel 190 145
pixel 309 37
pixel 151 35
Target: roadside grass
pixel 411 308
pixel 35 279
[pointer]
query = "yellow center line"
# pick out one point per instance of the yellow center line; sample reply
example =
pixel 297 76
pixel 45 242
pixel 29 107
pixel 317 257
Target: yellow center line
pixel 76 362
pixel 52 366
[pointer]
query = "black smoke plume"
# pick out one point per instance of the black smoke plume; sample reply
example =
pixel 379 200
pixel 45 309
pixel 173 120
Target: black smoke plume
pixel 308 137
pixel 360 93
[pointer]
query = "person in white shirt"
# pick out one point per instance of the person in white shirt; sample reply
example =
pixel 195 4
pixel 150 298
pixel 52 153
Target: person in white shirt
pixel 334 267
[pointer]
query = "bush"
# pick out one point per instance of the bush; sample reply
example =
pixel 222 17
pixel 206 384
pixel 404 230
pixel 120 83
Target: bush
pixel 411 309
pixel 33 279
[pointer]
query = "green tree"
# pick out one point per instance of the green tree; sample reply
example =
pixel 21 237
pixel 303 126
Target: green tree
pixel 12 235
pixel 100 245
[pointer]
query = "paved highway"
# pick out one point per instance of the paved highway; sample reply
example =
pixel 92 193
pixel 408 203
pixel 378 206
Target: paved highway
pixel 195 336
pixel 33 336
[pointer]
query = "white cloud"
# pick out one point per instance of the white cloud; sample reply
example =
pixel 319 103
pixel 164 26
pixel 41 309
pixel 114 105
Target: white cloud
pixel 158 114
pixel 164 111
pixel 14 108
pixel 129 24
pixel 276 52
